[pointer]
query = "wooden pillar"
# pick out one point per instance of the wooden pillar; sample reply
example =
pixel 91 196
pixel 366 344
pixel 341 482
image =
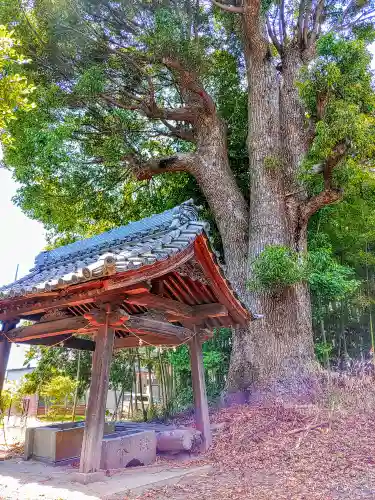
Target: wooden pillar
pixel 5 346
pixel 199 389
pixel 4 356
pixel 96 406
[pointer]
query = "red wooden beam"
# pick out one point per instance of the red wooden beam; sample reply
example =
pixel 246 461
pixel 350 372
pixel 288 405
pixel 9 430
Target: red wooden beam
pixel 218 283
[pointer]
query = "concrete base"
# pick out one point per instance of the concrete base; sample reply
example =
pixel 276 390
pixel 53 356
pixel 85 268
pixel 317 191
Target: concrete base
pixel 88 477
pixel 127 450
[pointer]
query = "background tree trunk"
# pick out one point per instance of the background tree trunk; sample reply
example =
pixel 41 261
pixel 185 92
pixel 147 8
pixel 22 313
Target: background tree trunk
pixel 151 397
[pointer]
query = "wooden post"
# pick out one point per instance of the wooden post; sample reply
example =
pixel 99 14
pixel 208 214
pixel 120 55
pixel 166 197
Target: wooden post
pixel 4 356
pixel 199 389
pixel 95 411
pixel 5 346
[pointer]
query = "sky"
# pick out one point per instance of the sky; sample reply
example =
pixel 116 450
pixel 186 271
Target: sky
pixel 21 240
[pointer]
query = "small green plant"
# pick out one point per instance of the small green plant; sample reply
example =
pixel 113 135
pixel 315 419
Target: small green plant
pixel 323 351
pixel 276 268
pixel 5 401
pixel 272 162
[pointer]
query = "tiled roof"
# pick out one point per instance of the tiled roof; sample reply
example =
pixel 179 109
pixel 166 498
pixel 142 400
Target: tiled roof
pixel 127 247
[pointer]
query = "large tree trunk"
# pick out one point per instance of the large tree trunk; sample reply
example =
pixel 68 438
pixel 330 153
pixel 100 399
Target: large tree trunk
pixel 281 342
pixel 215 177
pixel 276 351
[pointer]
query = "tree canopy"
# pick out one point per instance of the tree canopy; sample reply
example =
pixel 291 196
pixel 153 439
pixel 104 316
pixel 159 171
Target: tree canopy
pixel 15 91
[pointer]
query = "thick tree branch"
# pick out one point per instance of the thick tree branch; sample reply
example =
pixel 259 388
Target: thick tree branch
pixel 180 131
pixel 229 8
pixel 253 24
pixel 189 80
pixel 151 110
pixel 119 104
pixel 326 197
pixel 329 194
pixel 318 13
pixel 282 19
pixel 305 32
pixel 178 114
pixel 180 162
pixel 273 37
pixel 301 11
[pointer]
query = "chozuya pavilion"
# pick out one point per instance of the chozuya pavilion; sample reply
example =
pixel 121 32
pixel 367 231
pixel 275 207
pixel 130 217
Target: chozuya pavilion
pixel 155 281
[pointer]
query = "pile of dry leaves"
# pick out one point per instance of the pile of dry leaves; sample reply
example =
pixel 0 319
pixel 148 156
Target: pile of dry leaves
pixel 285 452
pixel 11 451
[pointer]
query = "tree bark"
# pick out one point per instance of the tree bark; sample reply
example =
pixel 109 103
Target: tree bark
pixel 151 396
pixel 140 386
pixel 75 401
pixel 223 195
pixel 275 351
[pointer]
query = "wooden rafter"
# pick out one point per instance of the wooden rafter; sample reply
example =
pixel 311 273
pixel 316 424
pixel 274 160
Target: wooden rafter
pixel 156 302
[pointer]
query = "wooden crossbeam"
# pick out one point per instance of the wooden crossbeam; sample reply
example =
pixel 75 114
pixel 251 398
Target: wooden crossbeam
pixel 49 329
pixel 143 324
pixel 98 317
pixel 64 341
pixel 139 324
pixel 176 309
pixel 155 340
pixel 200 313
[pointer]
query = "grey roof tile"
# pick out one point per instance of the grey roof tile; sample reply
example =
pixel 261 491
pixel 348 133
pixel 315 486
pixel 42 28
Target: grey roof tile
pixel 127 247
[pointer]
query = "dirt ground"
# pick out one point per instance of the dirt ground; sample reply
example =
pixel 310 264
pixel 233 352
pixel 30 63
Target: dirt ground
pixel 278 452
pixel 299 453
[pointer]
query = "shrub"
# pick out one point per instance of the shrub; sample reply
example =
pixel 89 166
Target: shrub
pixel 276 268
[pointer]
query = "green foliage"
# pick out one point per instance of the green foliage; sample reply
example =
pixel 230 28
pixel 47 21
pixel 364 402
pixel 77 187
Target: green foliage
pixel 5 401
pixel 328 279
pixel 323 351
pixel 275 268
pixel 69 156
pixel 121 374
pixel 91 82
pixel 338 92
pixel 278 267
pixel 171 36
pixel 58 389
pixel 56 361
pixel 15 90
pixel 216 356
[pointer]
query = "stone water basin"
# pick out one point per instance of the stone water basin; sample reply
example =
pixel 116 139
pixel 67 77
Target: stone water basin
pixel 57 444
pixel 127 448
